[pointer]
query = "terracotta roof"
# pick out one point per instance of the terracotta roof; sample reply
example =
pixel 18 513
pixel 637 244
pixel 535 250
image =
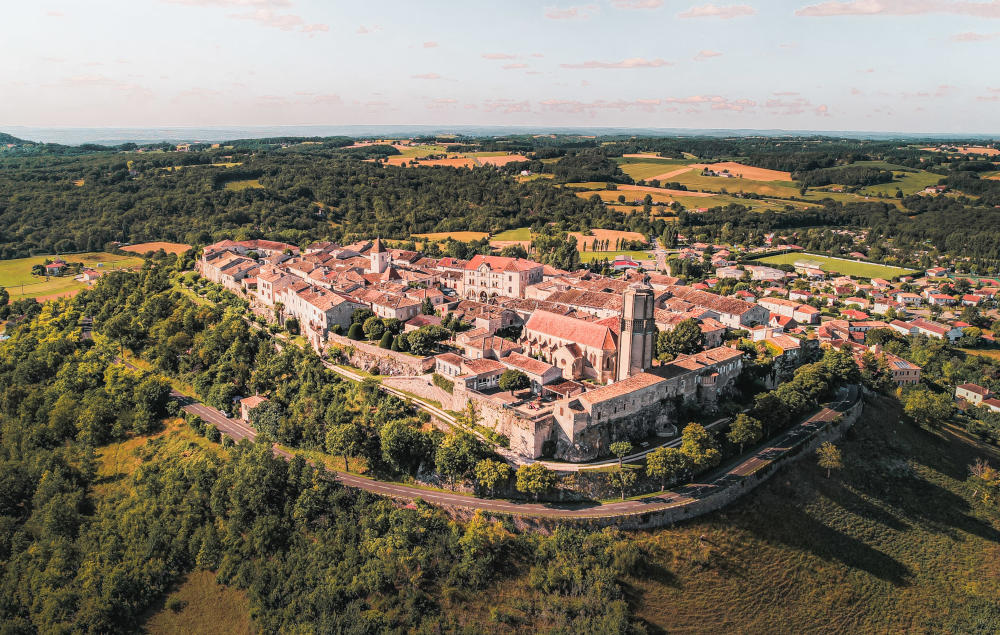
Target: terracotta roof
pixel 711 301
pixel 974 388
pixel 252 402
pixel 501 263
pixel 527 364
pixel 482 366
pixel 623 387
pixel 450 358
pixel 572 329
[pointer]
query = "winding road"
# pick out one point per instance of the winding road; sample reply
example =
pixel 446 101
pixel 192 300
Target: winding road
pixel 730 475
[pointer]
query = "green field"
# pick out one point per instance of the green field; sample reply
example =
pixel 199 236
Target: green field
pixel 589 256
pixel 695 181
pixel 647 169
pixel 422 151
pixel 909 182
pixel 521 233
pixel 845 267
pixel 14 273
pixel 244 185
pixel 588 185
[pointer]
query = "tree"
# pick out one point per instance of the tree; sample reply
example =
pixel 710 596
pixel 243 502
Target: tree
pixel 666 463
pixel 374 328
pixel 514 251
pixel 745 429
pixel 356 332
pixel 622 479
pixel 427 307
pixel 4 299
pixel 423 341
pixel 924 406
pixel 490 473
pixel 347 439
pixel 359 316
pixel 386 341
pixel 266 418
pixel 535 479
pixel 684 339
pixel 457 455
pixel 513 380
pixel 699 446
pixel 828 456
pixel 986 480
pixel 621 450
pixel 404 447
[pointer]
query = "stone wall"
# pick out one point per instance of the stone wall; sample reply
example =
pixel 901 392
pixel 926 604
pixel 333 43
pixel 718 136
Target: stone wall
pixel 371 358
pixel 692 508
pixel 596 439
pixel 526 436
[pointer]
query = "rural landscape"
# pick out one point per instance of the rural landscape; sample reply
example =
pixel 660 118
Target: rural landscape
pixel 573 359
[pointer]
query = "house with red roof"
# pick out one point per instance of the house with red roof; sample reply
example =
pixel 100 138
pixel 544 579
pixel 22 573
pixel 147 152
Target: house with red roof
pixel 487 277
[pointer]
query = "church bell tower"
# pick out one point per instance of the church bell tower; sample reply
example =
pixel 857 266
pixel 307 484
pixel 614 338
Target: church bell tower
pixel 378 258
pixel 638 331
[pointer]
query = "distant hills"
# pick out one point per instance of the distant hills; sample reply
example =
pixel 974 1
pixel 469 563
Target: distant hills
pixel 118 136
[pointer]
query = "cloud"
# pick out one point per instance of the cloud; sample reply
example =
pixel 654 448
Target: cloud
pixel 704 55
pixel 510 67
pixel 426 76
pixel 571 13
pixel 506 106
pixel 974 37
pixel 365 30
pixel 282 21
pixel 498 56
pixel 632 62
pixel 430 45
pixel 901 7
pixel 723 13
pixel 637 4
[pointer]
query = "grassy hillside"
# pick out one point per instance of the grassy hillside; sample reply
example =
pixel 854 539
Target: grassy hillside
pixel 893 543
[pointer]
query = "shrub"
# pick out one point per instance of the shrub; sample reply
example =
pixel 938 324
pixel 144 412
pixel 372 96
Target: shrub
pixel 212 434
pixel 443 383
pixel 356 332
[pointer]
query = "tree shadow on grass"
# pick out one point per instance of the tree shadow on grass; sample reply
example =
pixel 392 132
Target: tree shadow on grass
pixel 797 529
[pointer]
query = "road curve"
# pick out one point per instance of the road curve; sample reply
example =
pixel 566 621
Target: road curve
pixel 728 476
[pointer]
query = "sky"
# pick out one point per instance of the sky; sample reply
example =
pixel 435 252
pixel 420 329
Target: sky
pixel 881 65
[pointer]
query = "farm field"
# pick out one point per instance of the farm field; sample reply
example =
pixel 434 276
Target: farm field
pixel 640 170
pixel 845 267
pixel 170 248
pixel 521 233
pixel 464 237
pixel 14 273
pixel 746 171
pixel 246 184
pixel 909 182
pixel 610 235
pixel 590 256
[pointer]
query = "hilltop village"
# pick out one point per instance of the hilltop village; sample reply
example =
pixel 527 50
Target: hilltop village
pixel 564 364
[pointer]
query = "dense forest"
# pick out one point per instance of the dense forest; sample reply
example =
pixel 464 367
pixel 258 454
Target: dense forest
pixel 82 553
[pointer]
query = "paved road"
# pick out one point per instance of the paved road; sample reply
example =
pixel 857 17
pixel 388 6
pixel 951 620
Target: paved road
pixel 727 476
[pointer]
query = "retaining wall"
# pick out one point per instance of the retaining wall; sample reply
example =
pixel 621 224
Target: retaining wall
pixel 373 359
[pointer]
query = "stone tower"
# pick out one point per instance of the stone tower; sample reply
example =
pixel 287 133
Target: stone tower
pixel 638 331
pixel 379 258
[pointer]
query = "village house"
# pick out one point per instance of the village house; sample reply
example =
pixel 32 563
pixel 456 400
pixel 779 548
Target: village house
pixel 487 277
pixel 731 312
pixel 972 393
